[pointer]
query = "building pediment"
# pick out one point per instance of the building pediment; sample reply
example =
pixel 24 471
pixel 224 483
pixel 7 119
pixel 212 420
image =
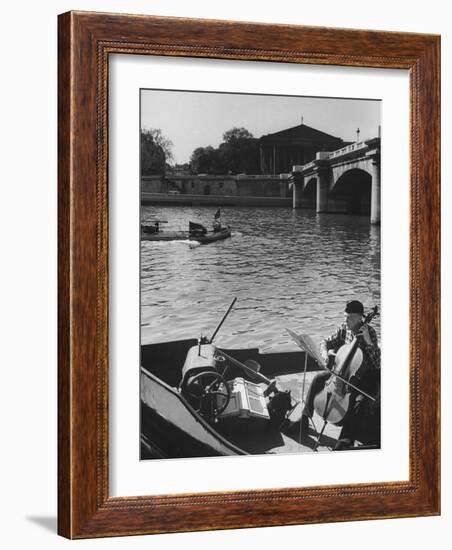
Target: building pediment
pixel 300 134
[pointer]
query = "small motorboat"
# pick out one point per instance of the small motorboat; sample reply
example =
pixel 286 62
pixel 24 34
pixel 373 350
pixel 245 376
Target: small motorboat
pixel 153 231
pixel 212 236
pixel 146 235
pixel 196 232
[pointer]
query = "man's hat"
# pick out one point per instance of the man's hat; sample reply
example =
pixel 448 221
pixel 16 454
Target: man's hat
pixel 354 307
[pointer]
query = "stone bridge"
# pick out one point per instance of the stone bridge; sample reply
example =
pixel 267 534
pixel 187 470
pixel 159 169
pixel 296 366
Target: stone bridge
pixel 346 180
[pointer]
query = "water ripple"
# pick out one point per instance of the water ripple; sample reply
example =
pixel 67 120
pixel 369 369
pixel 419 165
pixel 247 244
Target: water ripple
pixel 287 268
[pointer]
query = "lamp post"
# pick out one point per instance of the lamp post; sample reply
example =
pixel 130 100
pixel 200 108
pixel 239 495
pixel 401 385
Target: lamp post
pixel 357 134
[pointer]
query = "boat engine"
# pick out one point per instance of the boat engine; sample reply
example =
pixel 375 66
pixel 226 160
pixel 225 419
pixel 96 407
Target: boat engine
pixel 199 358
pixel 214 397
pixel 202 384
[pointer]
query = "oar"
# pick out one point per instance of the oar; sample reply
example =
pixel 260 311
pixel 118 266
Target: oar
pixel 222 320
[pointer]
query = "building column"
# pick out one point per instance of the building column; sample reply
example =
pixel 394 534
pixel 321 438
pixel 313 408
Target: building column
pixel 322 191
pixel 297 190
pixel 261 159
pixel 375 200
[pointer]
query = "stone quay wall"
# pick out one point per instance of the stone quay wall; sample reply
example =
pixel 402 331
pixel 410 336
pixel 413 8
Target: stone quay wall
pixel 241 185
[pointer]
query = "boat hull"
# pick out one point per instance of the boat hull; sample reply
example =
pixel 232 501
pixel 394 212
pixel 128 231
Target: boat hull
pixel 212 237
pixel 209 237
pixel 170 428
pixel 165 236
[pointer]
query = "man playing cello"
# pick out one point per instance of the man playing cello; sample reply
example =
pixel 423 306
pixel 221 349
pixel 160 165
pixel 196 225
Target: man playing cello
pixel 362 419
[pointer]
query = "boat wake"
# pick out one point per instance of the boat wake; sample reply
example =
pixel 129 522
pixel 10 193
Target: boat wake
pixel 178 242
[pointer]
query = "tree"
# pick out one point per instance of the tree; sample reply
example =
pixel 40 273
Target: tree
pixel 235 134
pixel 204 160
pixel 155 151
pixel 238 153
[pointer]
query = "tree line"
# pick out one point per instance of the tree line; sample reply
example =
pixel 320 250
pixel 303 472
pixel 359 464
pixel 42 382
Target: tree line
pixel 238 153
pixel 155 152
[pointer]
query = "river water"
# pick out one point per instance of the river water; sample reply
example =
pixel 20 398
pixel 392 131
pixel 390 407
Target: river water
pixel 287 268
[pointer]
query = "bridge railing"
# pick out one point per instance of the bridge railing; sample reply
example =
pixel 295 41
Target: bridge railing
pixel 322 155
pixel 348 149
pixel 329 155
pixel 260 176
pixel 301 167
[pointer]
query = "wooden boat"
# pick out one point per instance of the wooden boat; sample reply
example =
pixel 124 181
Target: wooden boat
pixel 201 400
pixel 155 233
pixel 212 236
pixel 198 400
pixel 165 236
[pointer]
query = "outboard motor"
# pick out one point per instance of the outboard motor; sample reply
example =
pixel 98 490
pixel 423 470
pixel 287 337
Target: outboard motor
pixel 199 358
pixel 202 385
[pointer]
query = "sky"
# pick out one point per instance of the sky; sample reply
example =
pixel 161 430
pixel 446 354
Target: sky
pixel 198 119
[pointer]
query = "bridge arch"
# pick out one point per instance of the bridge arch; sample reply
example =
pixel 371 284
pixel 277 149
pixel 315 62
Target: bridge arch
pixel 351 192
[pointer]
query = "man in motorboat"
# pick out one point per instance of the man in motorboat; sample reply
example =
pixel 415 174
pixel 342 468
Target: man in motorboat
pixel 361 419
pixel 217 221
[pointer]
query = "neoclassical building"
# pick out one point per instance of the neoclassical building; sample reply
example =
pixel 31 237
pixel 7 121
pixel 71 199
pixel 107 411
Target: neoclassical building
pixel 294 146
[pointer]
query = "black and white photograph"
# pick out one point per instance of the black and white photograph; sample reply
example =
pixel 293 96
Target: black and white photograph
pixel 260 274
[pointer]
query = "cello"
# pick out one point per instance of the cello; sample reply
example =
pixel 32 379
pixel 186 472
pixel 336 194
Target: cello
pixel 333 401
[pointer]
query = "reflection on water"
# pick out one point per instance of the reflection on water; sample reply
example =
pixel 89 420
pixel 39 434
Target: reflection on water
pixel 288 268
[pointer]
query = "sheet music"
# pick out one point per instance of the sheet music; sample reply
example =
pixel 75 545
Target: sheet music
pixel 306 343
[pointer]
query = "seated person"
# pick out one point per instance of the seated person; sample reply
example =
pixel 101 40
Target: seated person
pixel 368 382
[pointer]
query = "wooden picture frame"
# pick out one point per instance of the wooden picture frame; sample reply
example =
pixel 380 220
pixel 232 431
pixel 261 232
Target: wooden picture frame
pixel 86 40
